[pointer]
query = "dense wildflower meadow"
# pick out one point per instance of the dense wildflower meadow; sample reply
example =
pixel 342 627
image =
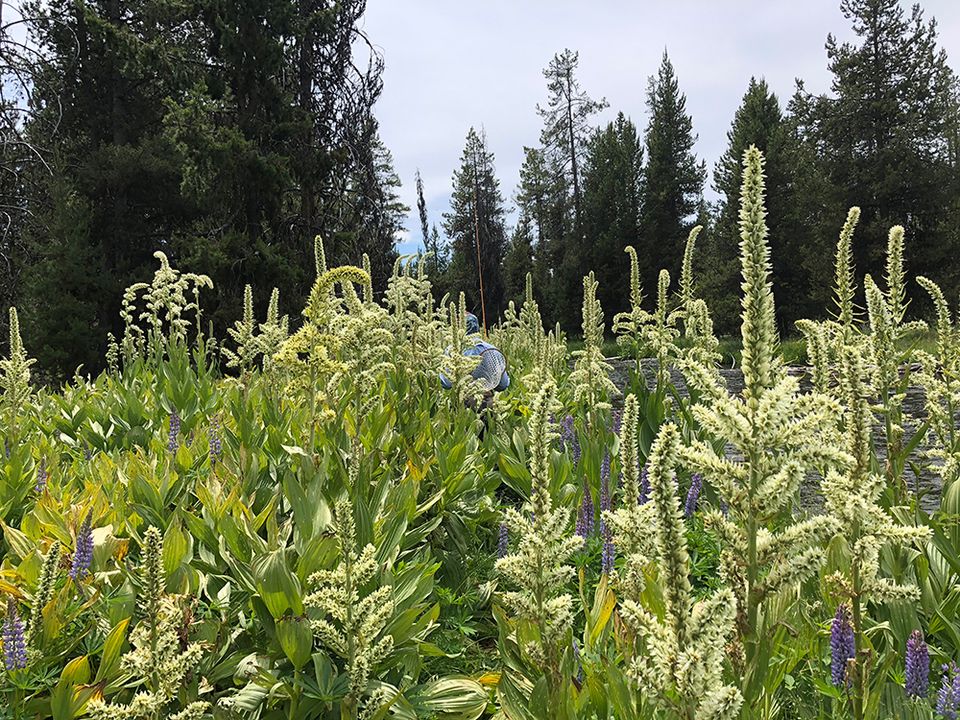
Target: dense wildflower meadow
pixel 297 521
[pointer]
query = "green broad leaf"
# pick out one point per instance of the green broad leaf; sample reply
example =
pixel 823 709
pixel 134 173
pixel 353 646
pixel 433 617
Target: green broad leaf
pixel 66 701
pixel 296 639
pixel 176 546
pixel 449 698
pixel 277 585
pixel 112 647
pixel 302 511
pixel 19 543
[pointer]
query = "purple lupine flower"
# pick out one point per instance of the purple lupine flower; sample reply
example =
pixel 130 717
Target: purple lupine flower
pixel 6 447
pixel 842 646
pixel 948 698
pixel 14 641
pixel 189 441
pixel 173 441
pixel 917 666
pixel 608 557
pixel 617 417
pixel 585 515
pixel 693 495
pixel 42 476
pixel 576 658
pixel 87 452
pixel 724 508
pixel 568 433
pixel 83 555
pixel 644 487
pixel 213 434
pixel 503 541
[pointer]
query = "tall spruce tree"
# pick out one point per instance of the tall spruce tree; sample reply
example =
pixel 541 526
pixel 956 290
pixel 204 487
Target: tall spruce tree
pixel 475 226
pixel 613 186
pixel 883 137
pixel 759 121
pixel 674 177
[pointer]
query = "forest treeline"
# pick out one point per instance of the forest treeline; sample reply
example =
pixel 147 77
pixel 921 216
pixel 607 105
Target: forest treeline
pixel 885 137
pixel 230 134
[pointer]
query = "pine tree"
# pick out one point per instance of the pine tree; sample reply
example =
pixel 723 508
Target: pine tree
pixel 613 186
pixel 475 226
pixel 759 121
pixel 883 136
pixel 673 176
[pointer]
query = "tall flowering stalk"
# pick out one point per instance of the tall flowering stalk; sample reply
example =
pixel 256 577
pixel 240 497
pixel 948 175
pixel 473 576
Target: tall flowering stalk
pixel 629 524
pixel 687 295
pixel 44 592
pixel 680 664
pixel 609 552
pixel 628 326
pixel 939 376
pixel 844 285
pixel 852 494
pixel 693 495
pixel 15 376
pixel 352 621
pixel 538 568
pixel 778 434
pixel 590 378
pixel 160 659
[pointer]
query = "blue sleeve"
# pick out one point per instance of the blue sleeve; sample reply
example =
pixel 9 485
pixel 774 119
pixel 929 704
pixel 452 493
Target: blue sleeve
pixel 504 382
pixel 445 382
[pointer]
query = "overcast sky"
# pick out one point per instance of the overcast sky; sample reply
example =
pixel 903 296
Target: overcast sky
pixel 451 64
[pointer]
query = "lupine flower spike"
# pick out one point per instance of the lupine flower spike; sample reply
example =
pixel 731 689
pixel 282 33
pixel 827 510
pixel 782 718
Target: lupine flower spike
pixel 948 698
pixel 917 666
pixel 841 645
pixel 83 554
pixel 42 476
pixel 173 440
pixel 14 641
pixel 585 515
pixel 503 541
pixel 216 445
pixel 693 495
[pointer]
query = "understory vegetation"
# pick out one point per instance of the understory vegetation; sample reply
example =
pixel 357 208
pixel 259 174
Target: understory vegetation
pixel 297 521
